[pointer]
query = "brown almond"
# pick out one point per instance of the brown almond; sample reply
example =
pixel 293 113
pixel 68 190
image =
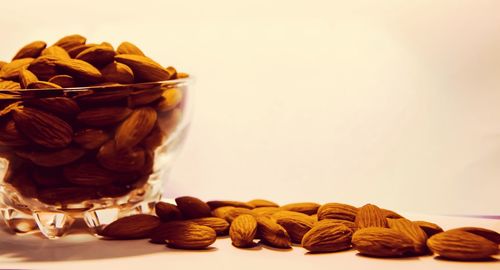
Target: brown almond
pixel 144 97
pixel 192 207
pixel 412 231
pixel 185 235
pixel 10 71
pixel 172 71
pixel 65 81
pixel 55 51
pixel 222 212
pixel 462 245
pixel 44 67
pixel 65 195
pixel 167 211
pixel 486 233
pixel 130 160
pixel 128 48
pixel 337 211
pixel 382 242
pixel 91 138
pixel 243 230
pixel 98 56
pixel 272 233
pixel 390 214
pixel 144 68
pixel 327 237
pixel 351 225
pixel 54 158
pixel 231 213
pixel 170 99
pixel 74 51
pixel 103 97
pixel 265 211
pixel 117 72
pixel 2 63
pixel 217 204
pixel 103 116
pixel 220 226
pixel 26 77
pixel 70 41
pixel 168 122
pixel 9 85
pixel 60 106
pixel 307 208
pixel 88 174
pixel 10 136
pixel 135 128
pixel 131 227
pixel 370 216
pixel 262 203
pixel 31 50
pixel 296 224
pixel 429 228
pixel 154 139
pixel 43 128
pixel 79 69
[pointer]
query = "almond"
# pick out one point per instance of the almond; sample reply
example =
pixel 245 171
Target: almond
pixel 31 50
pixel 170 99
pixel 167 211
pixel 103 97
pixel 103 116
pixel 272 233
pixel 429 228
pixel 217 204
pixel 79 69
pixel 370 216
pixel 91 138
pixel 382 242
pixel 135 128
pixel 130 160
pixel 462 245
pixel 10 136
pixel 192 207
pixel 220 226
pixel 185 235
pixel 74 51
pixel 265 211
pixel 128 48
pixel 65 81
pixel 9 85
pixel 55 51
pixel 144 68
pixel 412 231
pixel 44 67
pixel 98 56
pixel 88 174
pixel 70 41
pixel 26 77
pixel 117 72
pixel 243 230
pixel 486 233
pixel 351 225
pixel 296 224
pixel 144 97
pixel 230 212
pixel 42 128
pixel 131 227
pixel 307 208
pixel 262 203
pixel 10 71
pixel 337 211
pixel 327 237
pixel 53 159
pixel 60 106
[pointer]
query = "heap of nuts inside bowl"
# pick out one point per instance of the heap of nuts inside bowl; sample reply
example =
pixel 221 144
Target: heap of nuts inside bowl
pixel 372 231
pixel 70 145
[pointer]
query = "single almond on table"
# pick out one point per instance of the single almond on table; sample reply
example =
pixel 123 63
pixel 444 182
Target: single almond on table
pixel 462 245
pixel 486 233
pixel 220 226
pixel 382 242
pixel 296 224
pixel 183 235
pixel 131 227
pixel 243 230
pixel 370 216
pixel 327 237
pixel 167 211
pixel 272 233
pixel 412 230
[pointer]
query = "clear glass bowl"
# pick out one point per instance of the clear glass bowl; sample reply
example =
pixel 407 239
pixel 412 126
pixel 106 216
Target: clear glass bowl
pixel 93 153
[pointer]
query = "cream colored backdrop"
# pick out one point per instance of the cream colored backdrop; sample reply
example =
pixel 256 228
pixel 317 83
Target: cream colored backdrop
pixel 390 102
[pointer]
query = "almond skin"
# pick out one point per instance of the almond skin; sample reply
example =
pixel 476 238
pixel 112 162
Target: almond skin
pixel 382 242
pixel 370 216
pixel 272 233
pixel 220 226
pixel 307 208
pixel 296 224
pixel 70 41
pixel 104 116
pixel 61 106
pixel 43 128
pixel 128 48
pixel 486 233
pixel 462 245
pixel 97 56
pixel 79 69
pixel 184 235
pixel 31 50
pixel 243 230
pixel 117 72
pixel 429 228
pixel 327 237
pixel 413 231
pixel 91 138
pixel 131 227
pixel 351 225
pixel 167 211
pixel 337 211
pixel 192 207
pixel 135 128
pixel 10 71
pixel 145 69
pixel 56 51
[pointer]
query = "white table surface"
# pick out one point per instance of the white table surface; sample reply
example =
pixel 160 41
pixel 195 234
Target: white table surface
pixel 81 251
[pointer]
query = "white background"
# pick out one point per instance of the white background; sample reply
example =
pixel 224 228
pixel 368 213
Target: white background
pixel 389 102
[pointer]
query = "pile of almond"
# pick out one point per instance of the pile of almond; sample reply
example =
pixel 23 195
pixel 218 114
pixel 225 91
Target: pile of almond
pixel 81 121
pixel 372 231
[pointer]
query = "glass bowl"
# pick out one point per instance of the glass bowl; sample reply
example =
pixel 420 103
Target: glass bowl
pixel 93 153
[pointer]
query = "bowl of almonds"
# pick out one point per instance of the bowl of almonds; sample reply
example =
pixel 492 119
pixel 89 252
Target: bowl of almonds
pixel 87 132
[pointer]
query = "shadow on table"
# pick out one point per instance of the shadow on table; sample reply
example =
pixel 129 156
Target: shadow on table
pixel 77 245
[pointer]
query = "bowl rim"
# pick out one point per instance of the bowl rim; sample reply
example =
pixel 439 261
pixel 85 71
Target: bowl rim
pixel 111 86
